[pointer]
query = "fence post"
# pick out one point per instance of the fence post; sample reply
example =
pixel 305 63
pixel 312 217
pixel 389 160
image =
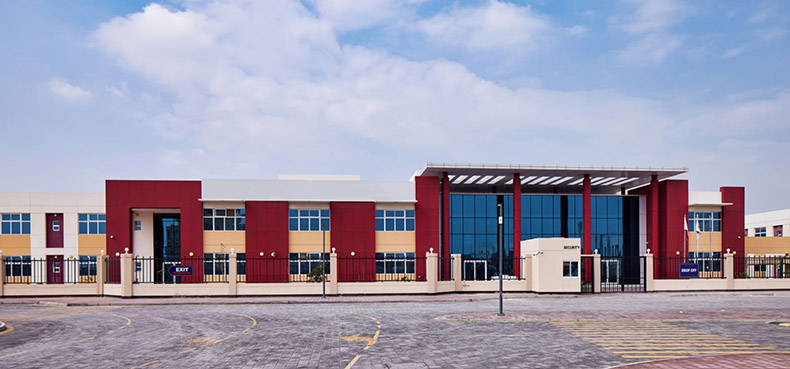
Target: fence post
pixel 457 276
pixel 649 272
pixel 432 271
pixel 233 271
pixel 100 273
pixel 729 270
pixel 127 274
pixel 596 273
pixel 2 272
pixel 332 287
pixel 526 270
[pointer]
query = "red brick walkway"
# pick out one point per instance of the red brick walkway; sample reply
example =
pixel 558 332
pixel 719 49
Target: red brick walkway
pixel 720 362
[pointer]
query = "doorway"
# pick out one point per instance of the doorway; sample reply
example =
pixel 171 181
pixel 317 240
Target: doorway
pixel 54 230
pixel 167 245
pixel 54 269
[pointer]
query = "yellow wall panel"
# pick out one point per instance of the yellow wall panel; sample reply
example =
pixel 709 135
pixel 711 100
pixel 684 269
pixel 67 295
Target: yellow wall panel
pixel 763 245
pixel 15 244
pixel 222 241
pixel 395 242
pixel 92 244
pixel 308 241
pixel 705 239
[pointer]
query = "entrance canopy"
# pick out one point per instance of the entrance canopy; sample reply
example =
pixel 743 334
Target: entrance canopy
pixel 543 178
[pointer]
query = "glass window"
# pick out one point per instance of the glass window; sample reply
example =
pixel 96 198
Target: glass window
pixel 224 219
pixel 395 220
pixel 570 268
pixel 759 232
pixel 304 263
pixel 15 223
pixel 308 219
pixel 93 223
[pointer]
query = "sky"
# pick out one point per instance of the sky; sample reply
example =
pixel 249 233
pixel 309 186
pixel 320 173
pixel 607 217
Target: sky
pixel 92 90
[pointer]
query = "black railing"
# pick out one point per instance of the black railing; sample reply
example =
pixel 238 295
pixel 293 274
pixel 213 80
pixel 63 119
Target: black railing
pixel 488 269
pixel 445 268
pixel 748 267
pixel 112 272
pixel 170 271
pixel 265 269
pixel 670 267
pixel 371 269
pixel 587 274
pixel 623 274
pixel 25 270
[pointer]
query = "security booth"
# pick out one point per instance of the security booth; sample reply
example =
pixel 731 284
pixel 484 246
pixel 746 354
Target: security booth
pixel 555 264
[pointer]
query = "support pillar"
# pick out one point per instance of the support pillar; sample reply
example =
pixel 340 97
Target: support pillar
pixel 432 271
pixel 596 273
pixel 100 273
pixel 445 245
pixel 587 215
pixel 649 277
pixel 652 221
pixel 729 270
pixel 457 276
pixel 2 272
pixel 517 224
pixel 127 275
pixel 331 288
pixel 527 268
pixel 233 272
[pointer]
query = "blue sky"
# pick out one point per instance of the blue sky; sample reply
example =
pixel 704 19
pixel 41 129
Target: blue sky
pixel 248 89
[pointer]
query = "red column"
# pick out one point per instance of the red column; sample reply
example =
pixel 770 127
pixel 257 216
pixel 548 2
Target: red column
pixel 445 226
pixel 587 216
pixel 427 220
pixel 652 228
pixel 517 224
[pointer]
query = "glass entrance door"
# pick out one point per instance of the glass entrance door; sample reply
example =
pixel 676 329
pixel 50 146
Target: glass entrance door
pixel 167 245
pixel 610 271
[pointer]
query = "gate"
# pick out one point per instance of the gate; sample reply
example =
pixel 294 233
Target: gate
pixel 587 274
pixel 623 274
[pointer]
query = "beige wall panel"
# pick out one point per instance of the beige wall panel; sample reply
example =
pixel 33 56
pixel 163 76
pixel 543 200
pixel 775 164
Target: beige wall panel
pixel 705 239
pixel 91 244
pixel 223 241
pixel 395 242
pixel 308 242
pixel 394 206
pixel 15 244
pixel 308 205
pixel 704 208
pixel 759 245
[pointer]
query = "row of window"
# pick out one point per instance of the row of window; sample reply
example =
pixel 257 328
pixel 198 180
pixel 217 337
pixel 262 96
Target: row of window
pixel 394 220
pixel 19 223
pixel 224 220
pixel 707 221
pixel 304 263
pixel 308 219
pixel 763 232
pixel 20 266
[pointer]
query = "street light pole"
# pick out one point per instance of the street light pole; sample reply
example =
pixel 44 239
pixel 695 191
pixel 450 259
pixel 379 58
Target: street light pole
pixel 500 232
pixel 323 261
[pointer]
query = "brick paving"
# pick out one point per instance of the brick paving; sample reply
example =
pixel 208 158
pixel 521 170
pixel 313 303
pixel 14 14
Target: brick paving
pixel 445 331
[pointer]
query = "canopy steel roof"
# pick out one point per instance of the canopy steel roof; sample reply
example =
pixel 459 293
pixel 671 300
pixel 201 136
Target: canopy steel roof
pixel 544 178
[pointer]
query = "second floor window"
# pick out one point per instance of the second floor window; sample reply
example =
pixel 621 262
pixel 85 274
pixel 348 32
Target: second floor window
pixel 224 219
pixel 308 219
pixel 92 223
pixel 15 223
pixel 394 220
pixel 759 232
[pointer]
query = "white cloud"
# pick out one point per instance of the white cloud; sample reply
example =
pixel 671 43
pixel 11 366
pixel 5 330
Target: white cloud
pixel 354 14
pixel 733 52
pixel 576 30
pixel 651 16
pixel 493 26
pixel 652 48
pixel 68 91
pixel 650 25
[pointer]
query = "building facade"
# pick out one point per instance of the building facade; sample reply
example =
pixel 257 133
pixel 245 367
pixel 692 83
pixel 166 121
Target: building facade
pixel 384 226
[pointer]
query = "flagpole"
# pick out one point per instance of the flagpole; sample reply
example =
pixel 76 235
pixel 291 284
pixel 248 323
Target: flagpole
pixel 685 235
pixel 710 243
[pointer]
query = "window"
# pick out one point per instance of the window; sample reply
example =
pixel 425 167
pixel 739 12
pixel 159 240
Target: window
pixel 224 219
pixel 92 223
pixel 87 265
pixel 56 226
pixel 708 262
pixel 215 264
pixel 394 262
pixel 241 263
pixel 17 266
pixel 308 219
pixel 746 232
pixel 17 223
pixel 777 231
pixel 303 263
pixel 708 221
pixel 138 225
pixel 759 232
pixel 570 268
pixel 394 220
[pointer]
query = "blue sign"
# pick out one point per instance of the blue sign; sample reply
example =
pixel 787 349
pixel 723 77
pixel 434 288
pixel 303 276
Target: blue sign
pixel 179 270
pixel 689 271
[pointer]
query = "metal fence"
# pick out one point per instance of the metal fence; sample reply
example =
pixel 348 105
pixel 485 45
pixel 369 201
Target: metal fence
pixel 165 270
pixel 623 274
pixel 112 271
pixel 746 267
pixel 488 269
pixel 372 269
pixel 264 269
pixel 445 268
pixel 587 273
pixel 26 270
pixel 669 267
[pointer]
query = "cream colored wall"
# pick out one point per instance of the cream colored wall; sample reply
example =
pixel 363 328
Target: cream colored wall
pixel 395 242
pixel 548 255
pixel 15 244
pixel 308 241
pixel 223 241
pixel 763 245
pixel 394 206
pixel 92 244
pixel 707 241
pixel 143 240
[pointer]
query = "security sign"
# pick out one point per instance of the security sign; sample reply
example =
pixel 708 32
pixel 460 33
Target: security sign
pixel 179 270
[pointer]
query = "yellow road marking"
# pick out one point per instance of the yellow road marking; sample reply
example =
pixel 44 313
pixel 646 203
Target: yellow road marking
pixel 654 356
pixel 370 340
pixel 152 362
pixel 352 362
pixel 254 323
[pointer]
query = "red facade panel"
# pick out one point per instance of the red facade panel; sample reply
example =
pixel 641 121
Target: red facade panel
pixel 517 224
pixel 54 230
pixel 266 232
pixel 353 226
pixel 586 215
pixel 122 196
pixel 426 219
pixel 653 229
pixel 732 222
pixel 673 207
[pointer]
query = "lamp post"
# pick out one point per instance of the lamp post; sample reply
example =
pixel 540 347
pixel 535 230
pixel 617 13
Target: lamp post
pixel 500 232
pixel 323 261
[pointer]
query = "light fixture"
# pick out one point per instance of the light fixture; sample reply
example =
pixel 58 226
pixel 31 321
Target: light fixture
pixel 261 254
pixel 648 251
pixel 273 254
pixel 191 253
pixel 117 254
pixel 125 250
pixel 728 251
pixel 430 250
pixel 353 253
pixel 333 250
pixel 232 251
pixel 101 252
pixel 595 251
pixel 677 252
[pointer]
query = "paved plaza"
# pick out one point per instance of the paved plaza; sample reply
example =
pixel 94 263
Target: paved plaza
pixel 658 330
